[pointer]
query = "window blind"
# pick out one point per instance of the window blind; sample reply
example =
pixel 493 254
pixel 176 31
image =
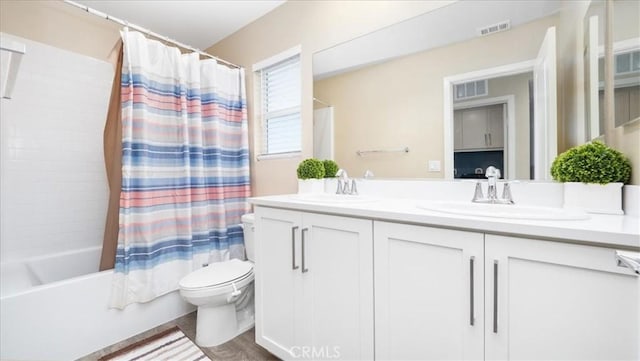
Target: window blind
pixel 280 94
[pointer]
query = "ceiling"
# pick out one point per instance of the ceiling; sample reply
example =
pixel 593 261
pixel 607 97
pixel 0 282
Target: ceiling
pixel 196 23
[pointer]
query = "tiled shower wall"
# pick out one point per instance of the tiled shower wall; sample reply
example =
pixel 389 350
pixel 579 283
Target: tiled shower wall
pixel 53 188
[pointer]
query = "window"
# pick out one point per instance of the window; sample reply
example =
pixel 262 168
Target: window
pixel 471 89
pixel 280 98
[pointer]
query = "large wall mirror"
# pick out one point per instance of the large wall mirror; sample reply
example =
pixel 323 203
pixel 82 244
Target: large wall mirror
pixel 443 95
pixel 626 64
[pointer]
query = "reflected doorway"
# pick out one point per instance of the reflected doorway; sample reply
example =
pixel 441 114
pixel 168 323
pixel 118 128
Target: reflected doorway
pixel 479 133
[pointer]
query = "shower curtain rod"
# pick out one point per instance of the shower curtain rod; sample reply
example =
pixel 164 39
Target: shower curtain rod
pixel 147 31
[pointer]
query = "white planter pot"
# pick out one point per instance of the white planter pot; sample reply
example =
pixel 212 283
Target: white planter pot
pixel 594 198
pixel 330 185
pixel 307 186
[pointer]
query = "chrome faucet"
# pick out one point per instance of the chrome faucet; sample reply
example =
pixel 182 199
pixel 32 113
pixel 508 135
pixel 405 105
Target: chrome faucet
pixel 345 185
pixel 368 174
pixel 492 174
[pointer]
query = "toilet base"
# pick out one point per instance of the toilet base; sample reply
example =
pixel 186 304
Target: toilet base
pixel 216 325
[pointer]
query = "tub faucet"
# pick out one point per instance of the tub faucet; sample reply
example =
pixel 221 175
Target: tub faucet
pixel 492 175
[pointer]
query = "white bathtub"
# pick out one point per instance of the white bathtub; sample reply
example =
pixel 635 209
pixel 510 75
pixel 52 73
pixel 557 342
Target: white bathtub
pixel 46 315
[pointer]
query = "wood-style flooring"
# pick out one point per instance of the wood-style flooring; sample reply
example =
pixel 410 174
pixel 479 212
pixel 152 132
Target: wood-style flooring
pixel 240 348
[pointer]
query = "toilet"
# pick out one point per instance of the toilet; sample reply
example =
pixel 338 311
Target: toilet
pixel 223 293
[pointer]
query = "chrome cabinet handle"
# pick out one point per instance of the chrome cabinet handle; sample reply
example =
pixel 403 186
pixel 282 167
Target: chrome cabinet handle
pixel 293 247
pixel 304 269
pixel 485 140
pixel 472 317
pixel 495 296
pixel 628 259
pixel 490 142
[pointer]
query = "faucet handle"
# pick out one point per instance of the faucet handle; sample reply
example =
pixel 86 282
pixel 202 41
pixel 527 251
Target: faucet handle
pixel 354 189
pixel 343 186
pixel 506 193
pixel 492 172
pixel 477 195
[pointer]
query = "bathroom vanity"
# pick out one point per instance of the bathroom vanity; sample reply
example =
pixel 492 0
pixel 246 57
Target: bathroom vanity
pixel 385 279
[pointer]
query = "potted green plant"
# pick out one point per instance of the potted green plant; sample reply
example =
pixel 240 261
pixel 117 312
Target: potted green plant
pixel 593 175
pixel 310 176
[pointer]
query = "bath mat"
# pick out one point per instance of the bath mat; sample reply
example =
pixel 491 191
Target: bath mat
pixel 171 344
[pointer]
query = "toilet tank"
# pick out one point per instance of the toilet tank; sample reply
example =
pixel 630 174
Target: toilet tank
pixel 247 225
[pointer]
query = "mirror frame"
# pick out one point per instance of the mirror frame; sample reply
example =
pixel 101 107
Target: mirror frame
pixel 593 79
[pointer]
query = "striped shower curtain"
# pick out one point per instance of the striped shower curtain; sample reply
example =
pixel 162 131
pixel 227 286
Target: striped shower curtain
pixel 185 168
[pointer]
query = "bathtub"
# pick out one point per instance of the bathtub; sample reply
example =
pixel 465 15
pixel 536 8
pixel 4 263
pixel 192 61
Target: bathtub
pixel 55 308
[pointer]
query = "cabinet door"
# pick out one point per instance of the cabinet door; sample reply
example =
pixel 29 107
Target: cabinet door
pixel 474 128
pixel 550 300
pixel 634 102
pixel 428 292
pixel 621 106
pixel 457 130
pixel 277 283
pixel 495 126
pixel 337 275
pixel 626 104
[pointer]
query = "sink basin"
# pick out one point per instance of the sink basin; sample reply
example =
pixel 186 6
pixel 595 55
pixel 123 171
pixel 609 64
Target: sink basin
pixel 510 211
pixel 328 198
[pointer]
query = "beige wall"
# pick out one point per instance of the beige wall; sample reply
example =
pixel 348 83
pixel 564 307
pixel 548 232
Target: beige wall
pixel 315 25
pixel 58 24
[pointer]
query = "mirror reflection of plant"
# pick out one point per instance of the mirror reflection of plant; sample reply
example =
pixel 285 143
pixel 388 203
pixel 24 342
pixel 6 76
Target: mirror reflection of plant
pixel 591 163
pixel 330 168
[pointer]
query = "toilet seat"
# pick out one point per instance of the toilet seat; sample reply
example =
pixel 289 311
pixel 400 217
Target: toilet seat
pixel 218 275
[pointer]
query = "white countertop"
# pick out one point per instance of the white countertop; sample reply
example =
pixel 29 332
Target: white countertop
pixel 604 230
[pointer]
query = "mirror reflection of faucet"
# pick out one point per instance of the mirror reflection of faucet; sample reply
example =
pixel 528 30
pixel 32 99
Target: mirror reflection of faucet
pixel 345 184
pixel 492 174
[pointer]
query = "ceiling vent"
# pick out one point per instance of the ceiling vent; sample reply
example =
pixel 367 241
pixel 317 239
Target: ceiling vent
pixel 495 28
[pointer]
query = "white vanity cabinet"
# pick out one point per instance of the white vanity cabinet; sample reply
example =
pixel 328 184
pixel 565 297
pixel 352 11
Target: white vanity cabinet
pixel 429 293
pixel 435 293
pixel 314 285
pixel 532 299
pixel 550 300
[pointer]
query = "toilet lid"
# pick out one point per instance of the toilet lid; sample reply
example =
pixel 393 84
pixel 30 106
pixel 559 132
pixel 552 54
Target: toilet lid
pixel 216 273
